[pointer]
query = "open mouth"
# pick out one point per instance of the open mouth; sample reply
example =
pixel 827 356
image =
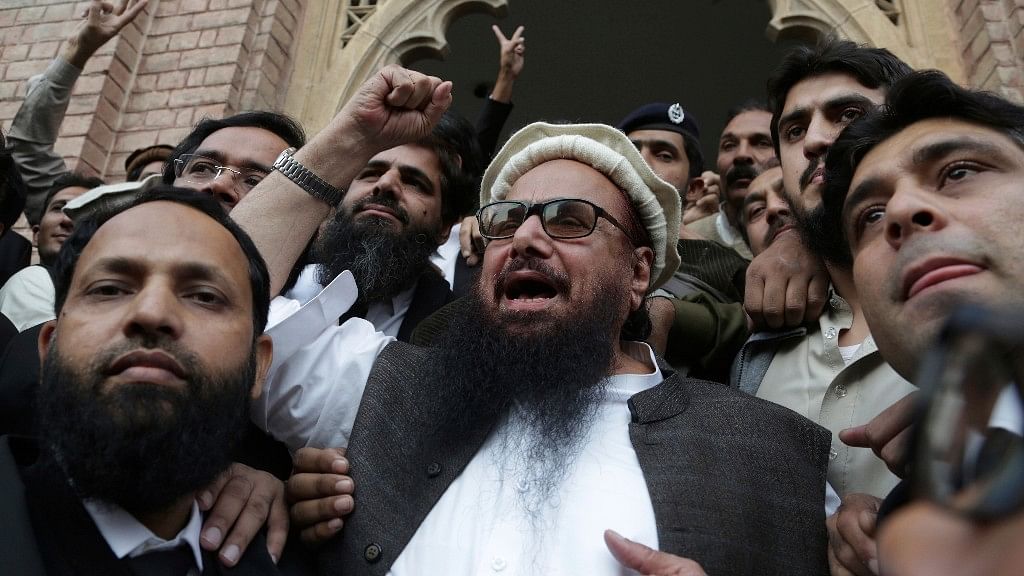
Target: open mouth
pixel 530 289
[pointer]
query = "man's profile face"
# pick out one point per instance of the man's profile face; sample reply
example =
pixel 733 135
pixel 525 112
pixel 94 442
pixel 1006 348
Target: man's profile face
pixel 744 150
pixel 765 212
pixel 532 278
pixel 244 148
pixel 816 110
pixel 931 216
pixel 665 153
pixel 55 226
pixel 399 190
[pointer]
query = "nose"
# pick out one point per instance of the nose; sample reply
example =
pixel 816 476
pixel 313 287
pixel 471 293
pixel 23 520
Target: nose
pixel 65 224
pixel 911 211
pixel 222 187
pixel 389 182
pixel 775 209
pixel 154 312
pixel 530 239
pixel 820 135
pixel 743 153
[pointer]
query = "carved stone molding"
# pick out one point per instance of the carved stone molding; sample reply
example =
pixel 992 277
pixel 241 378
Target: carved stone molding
pixel 343 43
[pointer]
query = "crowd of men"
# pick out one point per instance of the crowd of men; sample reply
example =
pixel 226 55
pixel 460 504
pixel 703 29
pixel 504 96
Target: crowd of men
pixel 581 352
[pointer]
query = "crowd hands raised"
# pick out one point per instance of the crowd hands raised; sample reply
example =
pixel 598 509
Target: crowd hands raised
pixel 369 342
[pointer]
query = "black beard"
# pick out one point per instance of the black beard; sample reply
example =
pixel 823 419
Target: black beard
pixel 384 262
pixel 545 385
pixel 817 230
pixel 141 447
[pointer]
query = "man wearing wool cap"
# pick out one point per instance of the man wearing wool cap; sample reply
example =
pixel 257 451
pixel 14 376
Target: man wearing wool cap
pixel 540 420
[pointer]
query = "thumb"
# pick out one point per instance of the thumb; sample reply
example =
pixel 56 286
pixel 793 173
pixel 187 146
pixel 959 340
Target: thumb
pixel 632 555
pixel 856 436
pixel 439 102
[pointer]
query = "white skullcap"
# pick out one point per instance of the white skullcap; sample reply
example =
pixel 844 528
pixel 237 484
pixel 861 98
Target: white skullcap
pixel 608 151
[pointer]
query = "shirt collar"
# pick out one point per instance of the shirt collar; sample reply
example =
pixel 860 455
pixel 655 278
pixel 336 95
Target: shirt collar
pixel 127 537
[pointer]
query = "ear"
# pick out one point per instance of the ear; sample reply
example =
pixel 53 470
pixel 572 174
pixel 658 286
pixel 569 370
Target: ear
pixel 643 260
pixel 444 233
pixel 695 189
pixel 46 336
pixel 264 356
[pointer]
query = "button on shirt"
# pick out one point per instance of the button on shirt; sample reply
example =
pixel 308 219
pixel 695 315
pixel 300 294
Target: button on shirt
pixel 809 376
pixel 479 525
pixel 129 538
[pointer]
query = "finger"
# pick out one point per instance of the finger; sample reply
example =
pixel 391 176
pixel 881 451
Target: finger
pixel 835 567
pixel 252 518
pixel 817 296
pixel 856 436
pixel 497 34
pixel 466 236
pixel 133 10
pixel 277 528
pixel 309 512
pixel 773 303
pixel 646 560
pixel 322 532
pixel 207 496
pixel 440 100
pixel 796 302
pixel 894 453
pixel 320 460
pixel 307 486
pixel 230 502
pixel 517 35
pixel 753 297
pixel 855 548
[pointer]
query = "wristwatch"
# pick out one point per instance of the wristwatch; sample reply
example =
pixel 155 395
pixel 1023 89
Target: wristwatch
pixel 316 186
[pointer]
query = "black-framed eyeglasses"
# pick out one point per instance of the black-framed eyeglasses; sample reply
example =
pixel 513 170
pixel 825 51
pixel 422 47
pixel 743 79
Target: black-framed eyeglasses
pixel 967 452
pixel 562 218
pixel 202 169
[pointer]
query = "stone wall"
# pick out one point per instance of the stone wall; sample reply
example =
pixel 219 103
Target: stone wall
pixel 991 40
pixel 178 61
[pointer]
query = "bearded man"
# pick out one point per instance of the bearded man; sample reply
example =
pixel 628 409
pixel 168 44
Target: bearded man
pixel 540 422
pixel 146 379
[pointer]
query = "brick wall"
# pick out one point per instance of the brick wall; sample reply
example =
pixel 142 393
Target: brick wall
pixel 992 44
pixel 179 61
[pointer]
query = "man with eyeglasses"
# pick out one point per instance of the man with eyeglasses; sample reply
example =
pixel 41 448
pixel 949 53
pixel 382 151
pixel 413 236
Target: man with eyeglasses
pixel 228 157
pixel 538 421
pixel 927 195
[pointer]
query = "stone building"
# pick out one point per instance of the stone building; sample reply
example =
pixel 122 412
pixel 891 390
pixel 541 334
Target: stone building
pixel 185 59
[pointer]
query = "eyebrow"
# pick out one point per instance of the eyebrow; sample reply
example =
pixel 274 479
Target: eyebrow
pixel 406 171
pixel 937 150
pixel 839 101
pixel 219 157
pixel 654 143
pixel 181 270
pixel 862 191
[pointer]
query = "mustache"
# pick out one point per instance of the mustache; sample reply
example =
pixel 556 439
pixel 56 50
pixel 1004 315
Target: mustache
pixel 774 227
pixel 185 359
pixel 740 172
pixel 386 200
pixel 558 279
pixel 812 167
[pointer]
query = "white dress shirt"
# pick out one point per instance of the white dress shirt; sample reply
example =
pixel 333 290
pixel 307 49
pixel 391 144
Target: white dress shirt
pixel 386 317
pixel 27 298
pixel 127 537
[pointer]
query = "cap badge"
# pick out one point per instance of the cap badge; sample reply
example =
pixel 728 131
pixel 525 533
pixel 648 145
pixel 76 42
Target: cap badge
pixel 676 114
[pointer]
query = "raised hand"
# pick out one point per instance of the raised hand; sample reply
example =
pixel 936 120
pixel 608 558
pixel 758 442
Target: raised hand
pixel 101 22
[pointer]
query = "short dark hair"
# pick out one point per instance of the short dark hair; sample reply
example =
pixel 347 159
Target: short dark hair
pixel 13 191
pixel 749 105
pixel 259 278
pixel 872 67
pixel 68 180
pixel 280 124
pixel 693 155
pixel 918 96
pixel 457 147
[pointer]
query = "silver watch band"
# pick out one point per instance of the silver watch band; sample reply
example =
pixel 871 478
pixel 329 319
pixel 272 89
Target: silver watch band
pixel 316 186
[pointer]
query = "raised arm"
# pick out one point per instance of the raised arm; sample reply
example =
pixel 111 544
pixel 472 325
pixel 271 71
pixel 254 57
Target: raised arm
pixel 35 127
pixel 392 107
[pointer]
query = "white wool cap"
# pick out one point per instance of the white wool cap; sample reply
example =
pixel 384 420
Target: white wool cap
pixel 608 151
